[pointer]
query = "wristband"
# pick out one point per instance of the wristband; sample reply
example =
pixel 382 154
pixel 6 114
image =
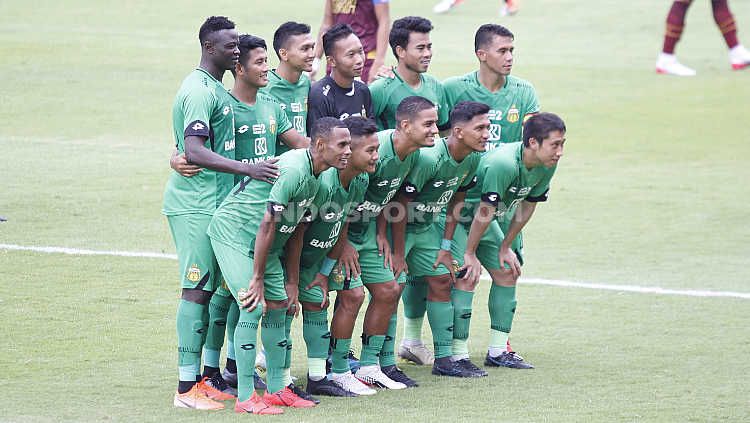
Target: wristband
pixel 446 244
pixel 327 266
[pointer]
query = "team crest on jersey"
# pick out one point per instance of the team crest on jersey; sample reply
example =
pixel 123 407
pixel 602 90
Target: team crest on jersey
pixel 272 124
pixel 194 273
pixel 513 114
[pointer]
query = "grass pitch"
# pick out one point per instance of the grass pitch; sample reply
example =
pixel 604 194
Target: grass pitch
pixel 652 191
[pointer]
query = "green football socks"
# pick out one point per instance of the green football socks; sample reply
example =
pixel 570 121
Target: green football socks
pixel 440 315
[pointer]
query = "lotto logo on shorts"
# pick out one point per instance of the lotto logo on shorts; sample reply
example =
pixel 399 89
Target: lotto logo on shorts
pixel 194 273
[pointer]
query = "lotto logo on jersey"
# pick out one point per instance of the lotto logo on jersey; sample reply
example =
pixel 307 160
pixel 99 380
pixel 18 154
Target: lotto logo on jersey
pixel 437 184
pixel 242 129
pixel 411 189
pixel 383 183
pixel 226 110
pixel 259 128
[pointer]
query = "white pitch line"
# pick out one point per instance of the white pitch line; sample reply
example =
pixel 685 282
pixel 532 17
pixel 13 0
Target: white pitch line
pixel 531 281
pixel 79 252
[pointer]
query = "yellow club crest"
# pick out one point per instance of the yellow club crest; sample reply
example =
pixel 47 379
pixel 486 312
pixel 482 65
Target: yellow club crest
pixel 513 114
pixel 272 124
pixel 194 273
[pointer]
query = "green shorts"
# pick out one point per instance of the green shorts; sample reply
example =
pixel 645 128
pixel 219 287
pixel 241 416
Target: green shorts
pixel 198 267
pixel 336 282
pixel 489 245
pixel 371 262
pixel 237 269
pixel 421 250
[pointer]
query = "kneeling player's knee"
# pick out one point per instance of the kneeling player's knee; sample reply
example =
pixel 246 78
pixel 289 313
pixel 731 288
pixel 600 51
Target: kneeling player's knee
pixel 197 296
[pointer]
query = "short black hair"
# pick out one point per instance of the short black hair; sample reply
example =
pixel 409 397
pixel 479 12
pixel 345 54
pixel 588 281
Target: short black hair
pixel 214 24
pixel 335 33
pixel 360 126
pixel 322 127
pixel 466 111
pixel 539 126
pixel 247 43
pixel 401 29
pixel 411 106
pixel 486 32
pixel 287 30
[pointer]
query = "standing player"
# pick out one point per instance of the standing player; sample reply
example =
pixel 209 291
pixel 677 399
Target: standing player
pixel 259 122
pixel 739 56
pixel 248 233
pixel 512 100
pixel 368 252
pixel 288 84
pixel 339 94
pixel 410 42
pixel 439 181
pixel 202 117
pixel 370 20
pixel 510 182
pixel 311 258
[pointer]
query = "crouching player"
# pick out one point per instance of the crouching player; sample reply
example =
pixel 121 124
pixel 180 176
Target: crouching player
pixel 311 258
pixel 511 180
pixel 439 181
pixel 248 232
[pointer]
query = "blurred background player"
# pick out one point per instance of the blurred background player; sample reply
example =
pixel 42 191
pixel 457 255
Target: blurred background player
pixel 340 94
pixel 507 7
pixel 666 62
pixel 370 20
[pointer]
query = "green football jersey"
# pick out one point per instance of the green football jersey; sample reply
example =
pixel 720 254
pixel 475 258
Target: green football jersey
pixel 504 181
pixel 331 207
pixel 509 106
pixel 236 221
pixel 293 99
pixel 257 127
pixel 384 183
pixel 387 94
pixel 433 181
pixel 203 108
